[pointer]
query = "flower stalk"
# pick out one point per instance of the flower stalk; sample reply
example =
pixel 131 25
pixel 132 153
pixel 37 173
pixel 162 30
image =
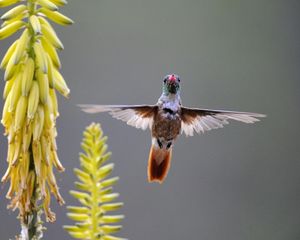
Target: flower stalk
pixel 95 191
pixel 32 225
pixel 30 110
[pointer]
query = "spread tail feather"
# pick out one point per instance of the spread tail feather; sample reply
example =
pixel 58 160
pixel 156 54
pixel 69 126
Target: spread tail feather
pixel 158 164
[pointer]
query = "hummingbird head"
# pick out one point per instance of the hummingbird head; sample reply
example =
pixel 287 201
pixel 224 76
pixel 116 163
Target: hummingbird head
pixel 171 84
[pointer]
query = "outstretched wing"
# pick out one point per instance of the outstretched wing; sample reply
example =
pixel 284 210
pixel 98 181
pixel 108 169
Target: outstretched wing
pixel 139 116
pixel 201 120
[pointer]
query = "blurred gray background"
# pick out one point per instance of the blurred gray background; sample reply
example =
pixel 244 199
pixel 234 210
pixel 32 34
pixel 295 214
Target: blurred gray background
pixel 241 182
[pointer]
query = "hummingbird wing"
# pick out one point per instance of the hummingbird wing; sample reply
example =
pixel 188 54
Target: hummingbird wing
pixel 201 120
pixel 139 116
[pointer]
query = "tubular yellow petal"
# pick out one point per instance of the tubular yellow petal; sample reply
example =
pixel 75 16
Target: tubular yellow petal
pixel 14 12
pixel 37 157
pixel 50 216
pixel 46 152
pixel 75 209
pixel 50 34
pixel 82 186
pixel 11 68
pixel 56 17
pixel 84 177
pixel 35 24
pixel 24 169
pixel 109 197
pixel 78 216
pixel 56 162
pixel 33 100
pixel 57 195
pixel 52 136
pixel 8 54
pixel 22 45
pixel 6 115
pixel 27 134
pixel 111 228
pixel 5 3
pixel 15 93
pixel 7 88
pixel 49 117
pixel 6 175
pixel 79 195
pixel 112 219
pixel 19 17
pixel 59 2
pixel 12 186
pixel 47 4
pixel 43 176
pixel 18 144
pixel 42 80
pixel 105 170
pixel 51 51
pixel 30 183
pixel 41 59
pixel 38 123
pixel 110 182
pixel 44 21
pixel 11 131
pixel 20 112
pixel 50 70
pixel 111 206
pixel 74 229
pixel 10 153
pixel 60 84
pixel 27 76
pixel 10 29
pixel 51 179
pixel 109 237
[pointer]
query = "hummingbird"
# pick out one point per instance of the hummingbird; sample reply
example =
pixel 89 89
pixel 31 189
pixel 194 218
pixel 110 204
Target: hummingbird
pixel 167 119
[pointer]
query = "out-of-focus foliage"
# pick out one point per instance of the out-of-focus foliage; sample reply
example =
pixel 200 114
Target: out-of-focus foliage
pixel 94 191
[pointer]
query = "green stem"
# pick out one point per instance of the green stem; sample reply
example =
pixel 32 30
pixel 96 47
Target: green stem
pixel 32 8
pixel 31 226
pixel 95 195
pixel 31 223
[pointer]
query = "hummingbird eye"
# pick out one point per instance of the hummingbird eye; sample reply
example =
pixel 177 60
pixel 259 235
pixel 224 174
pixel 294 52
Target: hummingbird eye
pixel 165 80
pixel 178 79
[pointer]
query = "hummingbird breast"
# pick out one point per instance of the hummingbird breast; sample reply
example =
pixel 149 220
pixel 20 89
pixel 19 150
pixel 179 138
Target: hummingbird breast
pixel 166 125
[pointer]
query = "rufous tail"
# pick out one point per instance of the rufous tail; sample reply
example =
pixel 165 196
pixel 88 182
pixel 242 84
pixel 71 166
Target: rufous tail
pixel 158 164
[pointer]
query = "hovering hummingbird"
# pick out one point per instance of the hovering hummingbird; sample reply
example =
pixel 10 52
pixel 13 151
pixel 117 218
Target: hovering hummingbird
pixel 167 119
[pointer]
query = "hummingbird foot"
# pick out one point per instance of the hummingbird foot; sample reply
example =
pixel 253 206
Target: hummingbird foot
pixel 169 145
pixel 159 143
pixel 163 144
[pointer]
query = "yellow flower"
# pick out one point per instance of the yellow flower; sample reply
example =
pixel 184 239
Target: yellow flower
pixel 95 191
pixel 32 77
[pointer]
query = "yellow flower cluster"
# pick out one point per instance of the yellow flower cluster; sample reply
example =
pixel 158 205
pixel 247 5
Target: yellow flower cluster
pixel 95 191
pixel 32 78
